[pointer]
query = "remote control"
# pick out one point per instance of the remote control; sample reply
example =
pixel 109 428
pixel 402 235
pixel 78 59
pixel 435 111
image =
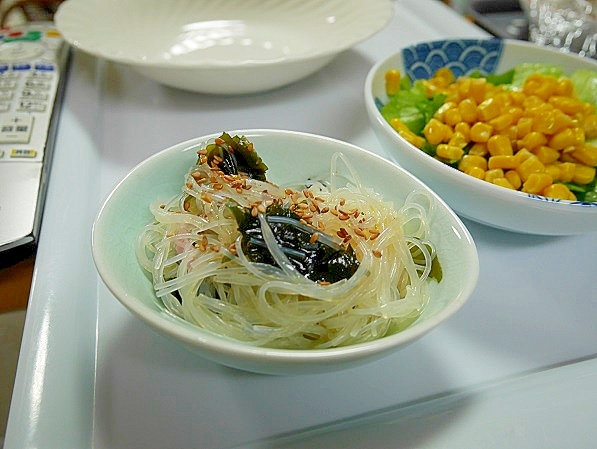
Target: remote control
pixel 33 63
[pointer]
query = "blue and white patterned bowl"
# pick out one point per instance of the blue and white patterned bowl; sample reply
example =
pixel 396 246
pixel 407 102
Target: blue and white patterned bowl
pixel 470 197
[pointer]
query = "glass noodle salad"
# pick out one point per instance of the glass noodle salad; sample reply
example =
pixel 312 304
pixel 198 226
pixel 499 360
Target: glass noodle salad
pixel 530 129
pixel 321 264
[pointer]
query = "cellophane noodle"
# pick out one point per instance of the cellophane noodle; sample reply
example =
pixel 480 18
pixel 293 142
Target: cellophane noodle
pixel 192 251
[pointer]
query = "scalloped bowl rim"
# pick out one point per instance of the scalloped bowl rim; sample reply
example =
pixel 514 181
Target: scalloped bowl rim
pixel 290 359
pixel 385 12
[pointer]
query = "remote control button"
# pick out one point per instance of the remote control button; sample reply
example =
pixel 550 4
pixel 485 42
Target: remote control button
pixel 31 106
pixel 23 154
pixel 37 84
pixel 22 67
pixel 4 107
pixel 32 95
pixel 7 84
pixel 21 51
pixel 44 67
pixel 15 128
pixel 38 75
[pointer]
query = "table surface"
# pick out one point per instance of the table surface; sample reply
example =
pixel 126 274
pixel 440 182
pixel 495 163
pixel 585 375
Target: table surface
pixel 516 367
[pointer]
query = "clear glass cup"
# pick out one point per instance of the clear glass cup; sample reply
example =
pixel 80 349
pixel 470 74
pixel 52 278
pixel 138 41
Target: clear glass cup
pixel 570 25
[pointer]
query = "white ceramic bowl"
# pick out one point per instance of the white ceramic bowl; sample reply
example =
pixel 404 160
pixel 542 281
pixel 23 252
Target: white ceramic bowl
pixel 221 47
pixel 472 198
pixel 125 213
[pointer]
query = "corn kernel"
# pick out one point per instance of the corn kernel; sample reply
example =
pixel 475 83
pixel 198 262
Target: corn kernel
pixel 435 131
pixel 568 105
pixel 532 140
pixel 478 149
pixel 452 116
pixel 586 155
pixel 517 98
pixel 480 132
pixel 524 126
pixel 590 126
pixel 568 138
pixel 398 124
pixel 583 174
pixel 532 102
pixel 464 129
pixel 554 171
pixel 499 144
pixel 458 140
pixel 567 170
pixel 523 155
pixel 443 76
pixel 469 160
pixel 536 183
pixel 540 85
pixel 530 166
pixel 559 191
pixel 468 110
pixel 392 78
pixel 503 182
pixel 502 121
pixel 551 122
pixel 449 152
pixel 564 87
pixel 488 109
pixel 477 89
pixel 514 111
pixel 490 175
pixel 546 155
pixel 503 161
pixel 476 172
pixel 412 138
pixel 513 178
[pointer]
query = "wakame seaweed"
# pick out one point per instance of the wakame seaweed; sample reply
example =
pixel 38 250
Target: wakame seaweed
pixel 318 259
pixel 234 155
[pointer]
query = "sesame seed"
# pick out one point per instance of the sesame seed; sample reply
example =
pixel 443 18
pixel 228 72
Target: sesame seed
pixel 377 253
pixel 359 232
pixel 314 237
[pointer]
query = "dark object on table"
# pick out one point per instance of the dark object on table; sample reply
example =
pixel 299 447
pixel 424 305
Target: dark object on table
pixel 502 18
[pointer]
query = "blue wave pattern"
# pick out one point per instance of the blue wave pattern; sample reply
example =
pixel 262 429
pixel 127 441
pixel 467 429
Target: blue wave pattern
pixel 462 56
pixel 554 200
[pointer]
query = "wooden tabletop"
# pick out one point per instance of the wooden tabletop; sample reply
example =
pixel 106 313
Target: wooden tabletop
pixel 15 284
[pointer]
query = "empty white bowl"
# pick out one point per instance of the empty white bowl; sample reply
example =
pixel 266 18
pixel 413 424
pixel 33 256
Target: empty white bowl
pixel 472 198
pixel 221 47
pixel 126 212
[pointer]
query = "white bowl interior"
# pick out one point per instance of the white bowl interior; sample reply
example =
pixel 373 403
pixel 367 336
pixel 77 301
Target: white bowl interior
pixel 221 46
pixel 472 198
pixel 126 211
pixel 214 32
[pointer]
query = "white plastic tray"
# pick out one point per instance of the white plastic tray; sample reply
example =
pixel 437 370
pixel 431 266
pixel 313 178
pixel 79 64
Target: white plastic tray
pixel 91 376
